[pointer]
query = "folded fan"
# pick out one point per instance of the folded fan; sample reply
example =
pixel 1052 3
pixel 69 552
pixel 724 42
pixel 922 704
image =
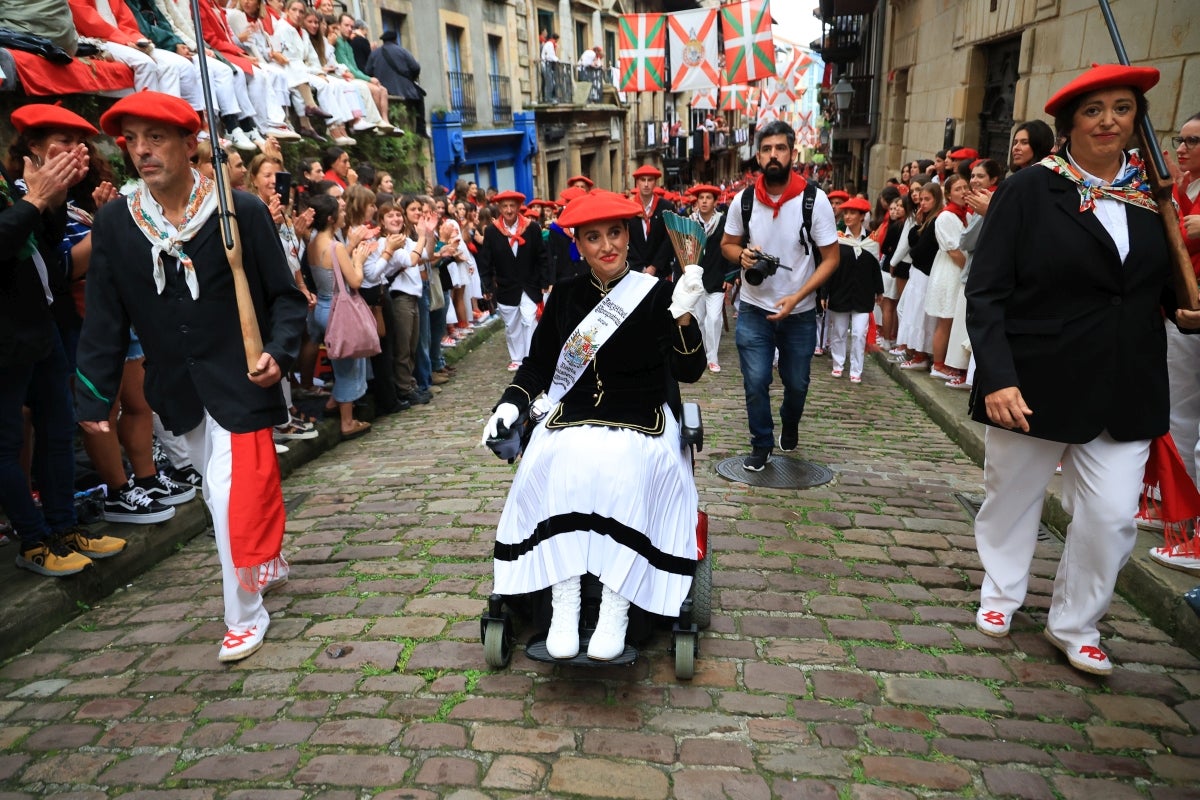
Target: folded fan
pixel 687 237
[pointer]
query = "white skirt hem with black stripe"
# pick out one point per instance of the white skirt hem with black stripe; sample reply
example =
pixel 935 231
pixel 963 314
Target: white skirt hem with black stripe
pixel 612 502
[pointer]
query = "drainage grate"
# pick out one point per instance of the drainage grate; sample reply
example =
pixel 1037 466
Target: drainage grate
pixel 780 473
pixel 973 502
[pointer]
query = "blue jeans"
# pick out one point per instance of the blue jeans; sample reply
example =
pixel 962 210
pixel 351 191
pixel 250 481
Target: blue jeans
pixel 757 338
pixel 423 372
pixel 44 386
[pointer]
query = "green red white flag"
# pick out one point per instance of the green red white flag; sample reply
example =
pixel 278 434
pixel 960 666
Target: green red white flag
pixel 642 52
pixel 693 40
pixel 793 75
pixel 735 98
pixel 706 99
pixel 749 46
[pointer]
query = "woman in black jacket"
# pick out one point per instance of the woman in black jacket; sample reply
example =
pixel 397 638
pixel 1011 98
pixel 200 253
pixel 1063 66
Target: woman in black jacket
pixel 916 327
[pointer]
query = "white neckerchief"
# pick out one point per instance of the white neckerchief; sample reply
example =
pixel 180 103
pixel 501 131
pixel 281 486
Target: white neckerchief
pixel 863 242
pixel 164 237
pixel 1111 213
pixel 579 350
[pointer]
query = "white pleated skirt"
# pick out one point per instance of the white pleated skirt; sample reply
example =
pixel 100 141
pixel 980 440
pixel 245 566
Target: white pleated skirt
pixel 612 502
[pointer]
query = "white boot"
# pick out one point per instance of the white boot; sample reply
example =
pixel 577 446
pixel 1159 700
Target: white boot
pixel 562 641
pixel 608 641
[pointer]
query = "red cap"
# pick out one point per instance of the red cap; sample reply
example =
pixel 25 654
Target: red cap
pixel 704 187
pixel 583 178
pixel 965 153
pixel 647 171
pixel 533 213
pixel 837 194
pixel 601 205
pixel 500 197
pixel 1103 76
pixel 156 106
pixel 44 115
pixel 535 203
pixel 856 204
pixel 570 193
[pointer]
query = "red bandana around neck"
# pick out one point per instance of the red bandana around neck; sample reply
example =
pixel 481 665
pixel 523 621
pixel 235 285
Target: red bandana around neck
pixel 795 188
pixel 516 238
pixel 958 211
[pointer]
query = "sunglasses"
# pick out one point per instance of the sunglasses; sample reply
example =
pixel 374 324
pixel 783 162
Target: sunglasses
pixel 1190 141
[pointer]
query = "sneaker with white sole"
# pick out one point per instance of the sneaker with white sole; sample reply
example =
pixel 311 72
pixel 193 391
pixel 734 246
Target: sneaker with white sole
pixel 82 541
pixel 165 490
pixel 239 644
pixel 187 475
pixel 292 431
pixel 240 140
pixel 132 505
pixel 757 460
pixel 1182 558
pixel 52 558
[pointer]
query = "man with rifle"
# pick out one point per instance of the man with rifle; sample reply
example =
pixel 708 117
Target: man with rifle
pixel 159 263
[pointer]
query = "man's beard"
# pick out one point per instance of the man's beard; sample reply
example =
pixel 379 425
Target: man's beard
pixel 775 172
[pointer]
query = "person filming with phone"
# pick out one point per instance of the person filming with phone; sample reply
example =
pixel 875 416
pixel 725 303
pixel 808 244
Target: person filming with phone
pixel 782 233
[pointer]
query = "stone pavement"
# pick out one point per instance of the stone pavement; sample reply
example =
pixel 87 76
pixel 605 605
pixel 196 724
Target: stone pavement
pixel 842 661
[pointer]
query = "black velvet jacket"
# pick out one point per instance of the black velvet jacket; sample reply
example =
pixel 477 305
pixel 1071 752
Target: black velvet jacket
pixel 26 324
pixel 633 374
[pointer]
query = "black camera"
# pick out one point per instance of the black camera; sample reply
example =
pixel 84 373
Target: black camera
pixel 764 266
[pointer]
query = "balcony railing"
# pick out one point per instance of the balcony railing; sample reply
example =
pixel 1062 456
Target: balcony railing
pixel 462 95
pixel 557 82
pixel 501 98
pixel 597 77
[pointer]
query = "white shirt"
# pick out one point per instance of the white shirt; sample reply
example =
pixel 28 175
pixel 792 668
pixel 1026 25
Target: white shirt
pixel 780 237
pixel 588 59
pixel 548 51
pixel 1111 213
pixel 404 275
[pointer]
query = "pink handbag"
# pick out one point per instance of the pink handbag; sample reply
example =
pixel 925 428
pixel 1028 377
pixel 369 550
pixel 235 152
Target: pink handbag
pixel 351 332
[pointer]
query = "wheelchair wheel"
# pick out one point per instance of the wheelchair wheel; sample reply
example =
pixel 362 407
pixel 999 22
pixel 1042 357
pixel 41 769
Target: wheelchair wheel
pixel 702 593
pixel 497 644
pixel 686 645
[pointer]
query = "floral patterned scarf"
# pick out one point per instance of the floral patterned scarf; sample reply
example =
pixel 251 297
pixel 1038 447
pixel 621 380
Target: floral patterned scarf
pixel 147 215
pixel 1131 186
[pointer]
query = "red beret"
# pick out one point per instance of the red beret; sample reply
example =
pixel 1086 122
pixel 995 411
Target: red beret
pixel 508 195
pixel 536 203
pixel 704 187
pixel 838 194
pixel 44 115
pixel 965 153
pixel 647 171
pixel 600 205
pixel 1103 76
pixel 570 193
pixel 660 191
pixel 156 106
pixel 583 178
pixel 856 204
pixel 533 213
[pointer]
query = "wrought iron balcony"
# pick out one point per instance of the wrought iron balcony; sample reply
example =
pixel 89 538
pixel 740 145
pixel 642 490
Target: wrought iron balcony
pixel 556 81
pixel 501 98
pixel 462 95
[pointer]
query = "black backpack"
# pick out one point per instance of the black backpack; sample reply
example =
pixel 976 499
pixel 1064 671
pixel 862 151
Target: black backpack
pixel 810 198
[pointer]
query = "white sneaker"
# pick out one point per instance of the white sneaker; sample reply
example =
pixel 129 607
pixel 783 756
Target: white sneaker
pixel 362 125
pixel 283 133
pixel 1181 558
pixel 240 140
pixel 992 623
pixel 256 137
pixel 608 640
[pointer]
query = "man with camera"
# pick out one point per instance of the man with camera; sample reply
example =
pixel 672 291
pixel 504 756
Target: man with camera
pixel 784 238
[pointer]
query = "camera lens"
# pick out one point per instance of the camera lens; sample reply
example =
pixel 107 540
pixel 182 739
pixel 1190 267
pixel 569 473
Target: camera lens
pixel 754 277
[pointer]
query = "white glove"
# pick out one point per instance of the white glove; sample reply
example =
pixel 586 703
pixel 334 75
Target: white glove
pixel 688 291
pixel 540 408
pixel 507 414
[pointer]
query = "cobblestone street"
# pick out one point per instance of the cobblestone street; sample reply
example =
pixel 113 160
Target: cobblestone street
pixel 842 661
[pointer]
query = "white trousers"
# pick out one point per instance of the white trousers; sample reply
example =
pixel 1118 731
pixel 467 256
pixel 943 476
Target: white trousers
pixel 1183 370
pixel 160 71
pixel 243 609
pixel 853 323
pixel 519 322
pixel 708 315
pixel 1101 482
pixel 223 79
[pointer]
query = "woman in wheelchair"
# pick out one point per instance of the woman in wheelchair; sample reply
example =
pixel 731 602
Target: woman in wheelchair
pixel 604 486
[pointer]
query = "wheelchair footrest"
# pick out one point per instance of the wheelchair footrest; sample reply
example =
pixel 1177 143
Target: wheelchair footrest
pixel 536 650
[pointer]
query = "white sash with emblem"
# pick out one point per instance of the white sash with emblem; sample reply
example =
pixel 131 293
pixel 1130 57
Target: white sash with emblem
pixel 595 329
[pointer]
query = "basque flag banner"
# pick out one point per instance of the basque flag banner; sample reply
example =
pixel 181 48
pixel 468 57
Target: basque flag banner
pixel 706 99
pixel 749 46
pixel 642 52
pixel 794 74
pixel 693 38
